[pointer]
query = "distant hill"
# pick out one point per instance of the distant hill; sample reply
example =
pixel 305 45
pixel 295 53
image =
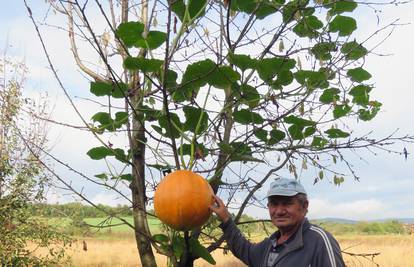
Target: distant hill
pixel 348 221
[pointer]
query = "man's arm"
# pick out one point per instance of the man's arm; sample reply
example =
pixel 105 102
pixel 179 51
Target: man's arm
pixel 238 244
pixel 328 254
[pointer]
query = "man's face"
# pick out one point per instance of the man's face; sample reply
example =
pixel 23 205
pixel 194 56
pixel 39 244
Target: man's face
pixel 286 212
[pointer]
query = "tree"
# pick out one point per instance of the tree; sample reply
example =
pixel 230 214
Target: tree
pixel 213 86
pixel 23 179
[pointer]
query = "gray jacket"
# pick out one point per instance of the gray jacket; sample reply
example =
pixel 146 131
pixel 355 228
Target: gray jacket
pixel 311 246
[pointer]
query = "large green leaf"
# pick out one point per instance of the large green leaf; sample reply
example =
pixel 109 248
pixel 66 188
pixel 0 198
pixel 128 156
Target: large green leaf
pixel 343 25
pixel 246 6
pixel 261 134
pixel 339 7
pixel 243 62
pixel 312 79
pixel 361 94
pixel 198 250
pixel 195 116
pixel 296 132
pixel 175 120
pixel 249 95
pixel 196 8
pixel 319 142
pixel 245 116
pixel 267 8
pixel 98 153
pixel 178 7
pixel 186 149
pixel 223 77
pixel 369 113
pixel 130 32
pixel 270 67
pixel 143 64
pixel 358 74
pixel 341 110
pixel 322 51
pixel 101 88
pixel 153 40
pixel 336 133
pixel 299 121
pixel 353 50
pixel 308 27
pixel 197 74
pixel 276 136
pixel 329 95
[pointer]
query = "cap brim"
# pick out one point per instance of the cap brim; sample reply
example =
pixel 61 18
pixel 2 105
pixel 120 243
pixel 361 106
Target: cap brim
pixel 286 193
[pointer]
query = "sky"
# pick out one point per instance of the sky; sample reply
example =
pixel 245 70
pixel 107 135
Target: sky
pixel 386 187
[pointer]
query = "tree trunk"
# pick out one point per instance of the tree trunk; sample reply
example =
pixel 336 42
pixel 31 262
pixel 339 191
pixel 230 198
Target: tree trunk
pixel 137 186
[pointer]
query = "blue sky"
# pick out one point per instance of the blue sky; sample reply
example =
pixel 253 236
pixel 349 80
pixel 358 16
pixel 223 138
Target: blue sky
pixel 387 180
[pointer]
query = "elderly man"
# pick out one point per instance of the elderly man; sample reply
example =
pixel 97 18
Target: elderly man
pixel 297 243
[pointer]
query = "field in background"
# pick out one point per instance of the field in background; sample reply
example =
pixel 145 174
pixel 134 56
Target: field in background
pixel 395 251
pixel 115 245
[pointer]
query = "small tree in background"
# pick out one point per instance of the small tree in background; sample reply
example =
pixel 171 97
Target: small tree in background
pixel 23 179
pixel 236 90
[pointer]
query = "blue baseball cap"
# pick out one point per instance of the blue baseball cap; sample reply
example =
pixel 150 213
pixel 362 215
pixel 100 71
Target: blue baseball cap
pixel 285 187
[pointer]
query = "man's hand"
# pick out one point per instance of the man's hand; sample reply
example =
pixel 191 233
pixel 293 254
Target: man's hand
pixel 220 209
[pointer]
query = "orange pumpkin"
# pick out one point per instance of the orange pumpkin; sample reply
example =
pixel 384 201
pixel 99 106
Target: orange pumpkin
pixel 182 200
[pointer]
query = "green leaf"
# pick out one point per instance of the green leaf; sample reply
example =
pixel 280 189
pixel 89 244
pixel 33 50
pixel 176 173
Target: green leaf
pixel 196 8
pixel 178 7
pixel 343 25
pixel 243 62
pixel 322 51
pixel 266 8
pixel 361 94
pixel 353 50
pixel 178 245
pixel 309 131
pixel 153 40
pixel 120 155
pixel 125 177
pixel 198 250
pixel 295 132
pixel 342 6
pixel 192 116
pixel 120 90
pixel 299 121
pixel 358 74
pixel 121 118
pixel 319 142
pixel 261 134
pixel 103 118
pixel 143 64
pixel 245 116
pixel 341 110
pixel 197 74
pixel 312 79
pixel 223 77
pixel 329 95
pixel 249 95
pixel 101 88
pixel 368 114
pixel 98 153
pixel 246 6
pixel 308 27
pixel 163 122
pixel 161 238
pixel 130 32
pixel 336 133
pixel 289 10
pixel 269 67
pixel 102 176
pixel 186 149
pixel 276 136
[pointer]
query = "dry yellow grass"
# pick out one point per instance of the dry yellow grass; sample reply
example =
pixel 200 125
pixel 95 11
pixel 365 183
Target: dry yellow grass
pixel 396 251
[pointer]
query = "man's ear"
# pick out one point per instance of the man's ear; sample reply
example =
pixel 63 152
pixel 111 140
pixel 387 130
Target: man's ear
pixel 306 205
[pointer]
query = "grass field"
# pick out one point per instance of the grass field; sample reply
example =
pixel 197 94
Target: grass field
pixel 395 251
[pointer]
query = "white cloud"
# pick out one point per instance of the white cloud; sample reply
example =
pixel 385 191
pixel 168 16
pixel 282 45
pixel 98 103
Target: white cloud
pixel 358 210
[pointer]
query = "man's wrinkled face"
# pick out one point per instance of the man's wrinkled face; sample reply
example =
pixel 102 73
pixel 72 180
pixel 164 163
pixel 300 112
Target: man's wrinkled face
pixel 286 212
